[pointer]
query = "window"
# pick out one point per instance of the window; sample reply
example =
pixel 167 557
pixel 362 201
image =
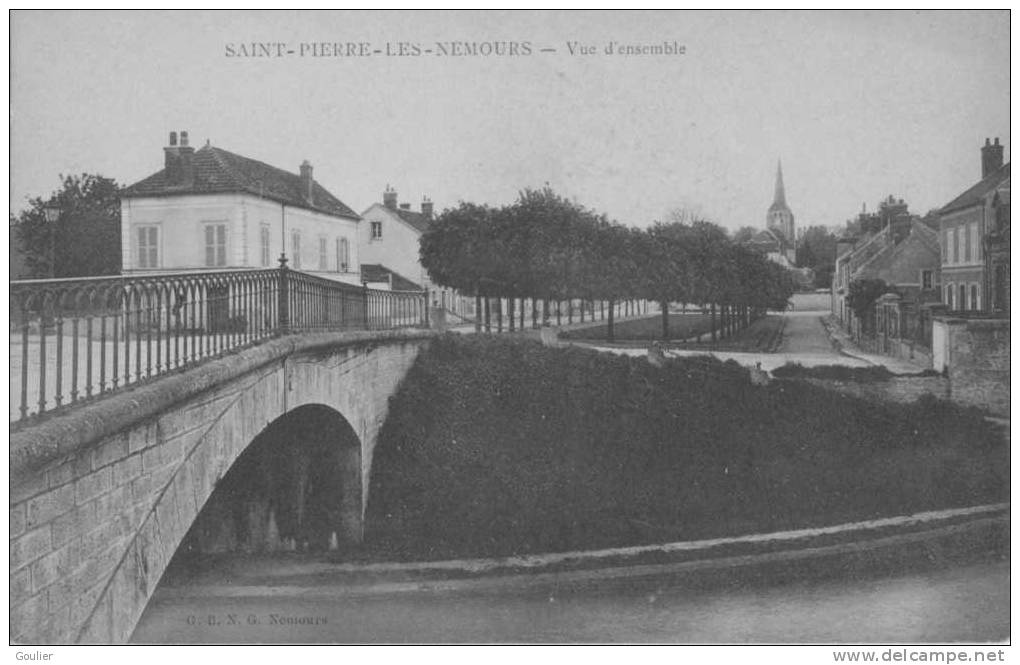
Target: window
pixel 975 302
pixel 323 261
pixel 264 244
pixel 376 230
pixel 927 280
pixel 962 302
pixel 956 245
pixel 949 296
pixel 295 249
pixel 945 246
pixel 215 245
pixel 148 246
pixel 975 243
pixel 343 255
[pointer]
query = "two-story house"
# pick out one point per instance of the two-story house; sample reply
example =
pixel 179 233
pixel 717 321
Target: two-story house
pixel 213 209
pixel 964 224
pixel 388 239
pixel 897 248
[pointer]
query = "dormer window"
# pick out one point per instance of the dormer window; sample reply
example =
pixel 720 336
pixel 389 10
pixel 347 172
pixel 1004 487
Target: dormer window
pixel 376 230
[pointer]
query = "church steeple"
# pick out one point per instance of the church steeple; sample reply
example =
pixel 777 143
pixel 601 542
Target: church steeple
pixel 779 217
pixel 779 200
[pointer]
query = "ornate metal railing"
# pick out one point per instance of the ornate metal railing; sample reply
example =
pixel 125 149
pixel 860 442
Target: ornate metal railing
pixel 75 339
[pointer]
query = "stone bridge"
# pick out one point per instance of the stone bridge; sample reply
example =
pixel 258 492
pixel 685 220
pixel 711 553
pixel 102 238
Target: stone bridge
pixel 103 495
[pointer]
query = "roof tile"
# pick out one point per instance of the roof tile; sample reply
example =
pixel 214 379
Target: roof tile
pixel 219 171
pixel 977 193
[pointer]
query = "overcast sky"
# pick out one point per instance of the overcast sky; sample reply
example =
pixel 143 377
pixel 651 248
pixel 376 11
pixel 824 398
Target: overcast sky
pixel 857 105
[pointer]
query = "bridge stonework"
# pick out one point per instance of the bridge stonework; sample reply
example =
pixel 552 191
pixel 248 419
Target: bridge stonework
pixel 102 496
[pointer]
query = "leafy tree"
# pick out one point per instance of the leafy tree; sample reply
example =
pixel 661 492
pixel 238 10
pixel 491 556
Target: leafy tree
pixel 85 240
pixel 744 234
pixel 817 248
pixel 861 297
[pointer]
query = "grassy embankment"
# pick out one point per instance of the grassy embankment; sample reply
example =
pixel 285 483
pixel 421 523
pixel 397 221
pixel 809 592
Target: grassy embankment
pixel 842 373
pixel 499 447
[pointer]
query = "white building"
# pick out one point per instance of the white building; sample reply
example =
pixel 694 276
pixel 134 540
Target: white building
pixel 388 240
pixel 212 209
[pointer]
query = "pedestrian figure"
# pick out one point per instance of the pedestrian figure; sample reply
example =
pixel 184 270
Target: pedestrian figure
pixel 656 356
pixel 759 377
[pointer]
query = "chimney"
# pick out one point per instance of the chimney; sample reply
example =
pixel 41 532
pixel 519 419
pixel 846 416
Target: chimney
pixel 389 198
pixel 899 226
pixel 178 161
pixel 307 184
pixel 844 245
pixel 426 207
pixel 405 206
pixel 991 158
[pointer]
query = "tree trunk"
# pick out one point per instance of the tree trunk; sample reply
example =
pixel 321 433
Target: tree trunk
pixel 570 311
pixel 522 302
pixel 609 333
pixel 713 322
pixel 488 314
pixel 664 305
pixel 534 313
pixel 510 313
pixel 559 312
pixel 478 312
pixel 499 315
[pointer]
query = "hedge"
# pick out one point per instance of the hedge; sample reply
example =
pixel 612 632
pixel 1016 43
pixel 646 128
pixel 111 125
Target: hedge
pixel 496 446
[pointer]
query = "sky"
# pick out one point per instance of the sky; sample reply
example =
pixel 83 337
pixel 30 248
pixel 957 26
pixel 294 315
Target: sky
pixel 857 105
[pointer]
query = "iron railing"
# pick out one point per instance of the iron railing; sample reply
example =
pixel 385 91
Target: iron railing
pixel 75 339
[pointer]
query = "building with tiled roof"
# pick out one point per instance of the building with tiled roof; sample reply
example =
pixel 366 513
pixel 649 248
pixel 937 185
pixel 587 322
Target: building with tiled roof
pixel 214 209
pixel 897 248
pixel 380 277
pixel 389 236
pixel 970 282
pixel 389 240
pixel 773 245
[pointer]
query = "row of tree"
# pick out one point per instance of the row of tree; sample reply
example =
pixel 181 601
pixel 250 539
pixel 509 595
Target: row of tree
pixel 546 247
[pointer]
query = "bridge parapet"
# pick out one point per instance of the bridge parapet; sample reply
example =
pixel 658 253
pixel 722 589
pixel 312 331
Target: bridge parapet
pixel 75 339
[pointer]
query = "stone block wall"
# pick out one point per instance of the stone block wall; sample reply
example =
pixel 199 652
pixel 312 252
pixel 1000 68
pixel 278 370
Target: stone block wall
pixel 93 528
pixel 976 353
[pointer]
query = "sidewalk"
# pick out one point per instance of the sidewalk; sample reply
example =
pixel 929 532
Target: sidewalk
pixel 831 547
pixel 845 345
pixel 534 333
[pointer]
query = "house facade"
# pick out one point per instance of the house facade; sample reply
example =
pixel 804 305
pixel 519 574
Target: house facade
pixel 965 225
pixel 212 209
pixel 997 250
pixel 388 238
pixel 897 248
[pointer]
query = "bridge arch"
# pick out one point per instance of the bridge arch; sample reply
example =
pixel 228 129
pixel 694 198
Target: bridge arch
pixel 297 486
pixel 111 492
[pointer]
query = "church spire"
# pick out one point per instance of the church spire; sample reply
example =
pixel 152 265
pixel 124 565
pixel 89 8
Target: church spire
pixel 780 197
